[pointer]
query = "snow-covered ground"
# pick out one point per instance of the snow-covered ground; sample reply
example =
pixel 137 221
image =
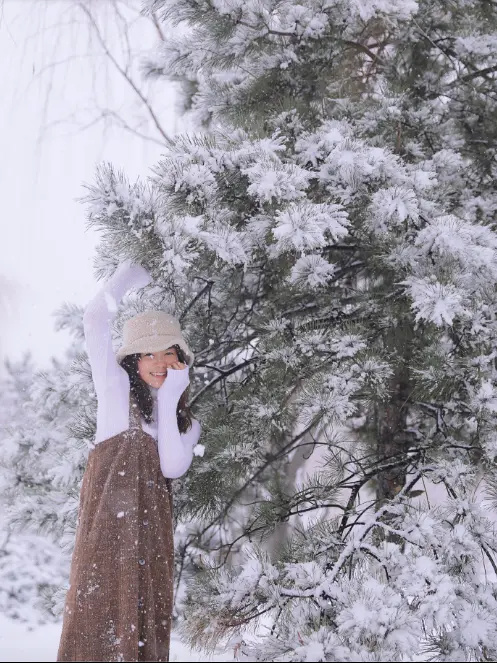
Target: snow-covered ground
pixel 19 642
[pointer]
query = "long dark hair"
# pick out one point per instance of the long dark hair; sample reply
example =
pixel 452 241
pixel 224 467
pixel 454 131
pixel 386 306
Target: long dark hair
pixel 140 391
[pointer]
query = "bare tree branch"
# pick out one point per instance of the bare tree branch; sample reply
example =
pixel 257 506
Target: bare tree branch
pixel 124 73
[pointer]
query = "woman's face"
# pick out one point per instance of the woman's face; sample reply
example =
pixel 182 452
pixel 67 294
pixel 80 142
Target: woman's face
pixel 153 366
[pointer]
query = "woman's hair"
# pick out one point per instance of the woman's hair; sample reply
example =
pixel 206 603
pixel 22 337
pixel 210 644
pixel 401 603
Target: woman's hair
pixel 140 391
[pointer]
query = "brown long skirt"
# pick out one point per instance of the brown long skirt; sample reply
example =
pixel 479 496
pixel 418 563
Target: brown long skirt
pixel 119 604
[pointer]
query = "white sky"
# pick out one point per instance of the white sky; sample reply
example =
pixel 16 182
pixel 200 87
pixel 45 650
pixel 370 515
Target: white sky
pixel 45 252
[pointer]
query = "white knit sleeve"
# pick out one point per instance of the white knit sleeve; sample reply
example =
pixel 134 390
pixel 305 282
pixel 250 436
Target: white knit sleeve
pixel 110 380
pixel 175 448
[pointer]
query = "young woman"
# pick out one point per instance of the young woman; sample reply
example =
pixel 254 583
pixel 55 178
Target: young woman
pixel 119 604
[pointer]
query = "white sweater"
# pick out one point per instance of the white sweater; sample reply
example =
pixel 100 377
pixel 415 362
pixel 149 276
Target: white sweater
pixel 112 383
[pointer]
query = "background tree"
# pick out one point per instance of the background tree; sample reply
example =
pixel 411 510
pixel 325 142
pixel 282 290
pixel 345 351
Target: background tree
pixel 32 566
pixel 329 249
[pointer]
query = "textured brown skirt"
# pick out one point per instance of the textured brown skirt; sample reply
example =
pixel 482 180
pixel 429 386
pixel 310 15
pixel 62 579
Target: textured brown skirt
pixel 119 604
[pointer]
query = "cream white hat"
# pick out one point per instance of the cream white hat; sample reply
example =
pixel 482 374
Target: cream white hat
pixel 150 332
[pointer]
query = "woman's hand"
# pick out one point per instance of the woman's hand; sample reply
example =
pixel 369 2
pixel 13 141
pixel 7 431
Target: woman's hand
pixel 177 379
pixel 178 366
pixel 130 275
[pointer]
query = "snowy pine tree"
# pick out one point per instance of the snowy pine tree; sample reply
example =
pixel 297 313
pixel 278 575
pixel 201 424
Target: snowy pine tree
pixel 329 248
pixel 348 183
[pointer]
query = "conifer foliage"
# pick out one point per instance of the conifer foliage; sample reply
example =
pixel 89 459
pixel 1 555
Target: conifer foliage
pixel 327 241
pixel 329 246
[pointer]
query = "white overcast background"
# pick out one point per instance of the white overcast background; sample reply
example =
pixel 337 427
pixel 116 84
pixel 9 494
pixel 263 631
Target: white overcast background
pixel 46 154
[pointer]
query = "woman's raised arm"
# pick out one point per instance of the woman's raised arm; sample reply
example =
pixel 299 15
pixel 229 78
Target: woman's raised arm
pixel 97 322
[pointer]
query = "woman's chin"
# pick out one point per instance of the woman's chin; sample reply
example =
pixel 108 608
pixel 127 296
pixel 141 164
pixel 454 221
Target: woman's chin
pixel 156 382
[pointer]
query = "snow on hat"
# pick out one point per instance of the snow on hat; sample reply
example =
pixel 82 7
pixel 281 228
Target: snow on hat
pixel 152 331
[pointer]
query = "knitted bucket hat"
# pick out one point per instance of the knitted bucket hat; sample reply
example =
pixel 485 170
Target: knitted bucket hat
pixel 152 331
